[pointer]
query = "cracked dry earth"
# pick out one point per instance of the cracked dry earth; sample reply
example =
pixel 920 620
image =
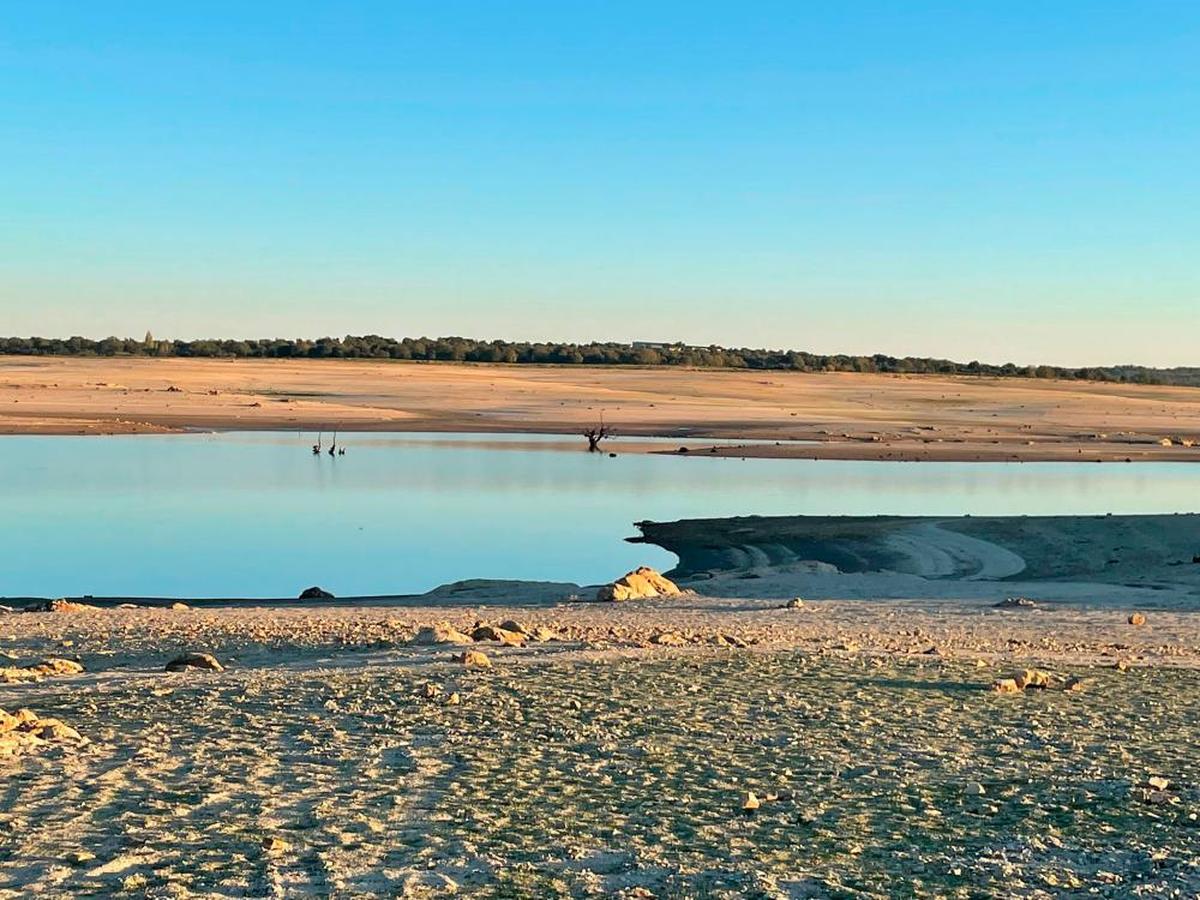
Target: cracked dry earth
pixel 562 771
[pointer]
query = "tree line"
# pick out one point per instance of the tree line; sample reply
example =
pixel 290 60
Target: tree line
pixel 459 349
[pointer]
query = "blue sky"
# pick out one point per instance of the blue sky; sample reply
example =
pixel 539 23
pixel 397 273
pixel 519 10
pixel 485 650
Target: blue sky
pixel 1003 181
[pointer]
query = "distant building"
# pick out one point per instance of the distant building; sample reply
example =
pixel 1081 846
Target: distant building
pixel 658 345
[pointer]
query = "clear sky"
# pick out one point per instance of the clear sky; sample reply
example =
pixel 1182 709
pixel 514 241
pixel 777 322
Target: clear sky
pixel 995 180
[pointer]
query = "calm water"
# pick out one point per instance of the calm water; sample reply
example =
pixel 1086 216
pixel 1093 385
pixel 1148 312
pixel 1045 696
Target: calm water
pixel 258 515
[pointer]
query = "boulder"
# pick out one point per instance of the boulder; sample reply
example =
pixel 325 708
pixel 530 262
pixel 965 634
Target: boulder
pixel 795 603
pixel 474 659
pixel 641 583
pixel 1137 619
pixel 440 633
pixel 315 593
pixel 179 606
pixel 195 661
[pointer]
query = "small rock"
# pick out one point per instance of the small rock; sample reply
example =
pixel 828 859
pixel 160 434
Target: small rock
pixel 1137 619
pixel 453 699
pixel 974 789
pixel 668 639
pixel 1005 686
pixel 474 659
pixel 795 603
pixel 195 661
pixel 54 730
pixel 179 606
pixel 275 845
pixel 1016 603
pixel 440 633
pixel 751 804
pixel 1158 783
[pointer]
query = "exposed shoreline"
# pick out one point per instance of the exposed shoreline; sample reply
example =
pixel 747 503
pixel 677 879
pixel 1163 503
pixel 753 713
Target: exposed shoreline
pixel 810 415
pixel 1148 559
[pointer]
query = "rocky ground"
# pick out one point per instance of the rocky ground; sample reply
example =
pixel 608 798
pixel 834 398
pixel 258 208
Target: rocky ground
pixel 670 748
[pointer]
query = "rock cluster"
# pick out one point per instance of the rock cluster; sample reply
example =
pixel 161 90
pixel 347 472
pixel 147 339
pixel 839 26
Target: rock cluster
pixel 1154 790
pixel 499 634
pixel 1035 678
pixel 640 584
pixel 23 732
pixel 509 633
pixel 58 606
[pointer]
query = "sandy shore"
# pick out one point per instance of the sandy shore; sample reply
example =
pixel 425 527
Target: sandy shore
pixel 844 416
pixel 336 756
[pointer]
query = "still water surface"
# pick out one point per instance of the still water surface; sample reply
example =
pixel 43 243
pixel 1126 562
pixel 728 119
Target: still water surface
pixel 257 515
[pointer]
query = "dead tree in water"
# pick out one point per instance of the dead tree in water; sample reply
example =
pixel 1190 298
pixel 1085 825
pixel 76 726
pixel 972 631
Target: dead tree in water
pixel 596 435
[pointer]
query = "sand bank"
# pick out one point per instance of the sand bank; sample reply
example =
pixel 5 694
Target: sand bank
pixel 844 416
